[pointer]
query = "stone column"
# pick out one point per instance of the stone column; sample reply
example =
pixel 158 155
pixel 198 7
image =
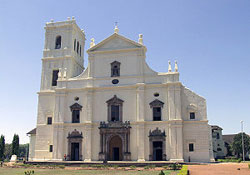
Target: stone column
pixel 140 142
pixel 88 140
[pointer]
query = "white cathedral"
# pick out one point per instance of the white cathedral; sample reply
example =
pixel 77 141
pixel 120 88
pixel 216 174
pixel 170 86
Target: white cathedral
pixel 116 109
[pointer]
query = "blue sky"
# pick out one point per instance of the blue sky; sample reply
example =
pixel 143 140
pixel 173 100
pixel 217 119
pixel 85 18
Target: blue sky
pixel 209 39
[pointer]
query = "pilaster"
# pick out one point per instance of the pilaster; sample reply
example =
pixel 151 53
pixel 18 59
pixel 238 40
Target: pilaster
pixel 176 141
pixel 88 142
pixel 140 142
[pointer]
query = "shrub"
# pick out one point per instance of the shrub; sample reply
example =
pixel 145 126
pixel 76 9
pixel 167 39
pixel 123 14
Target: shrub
pixel 161 173
pixel 232 159
pixel 149 167
pixel 165 166
pixel 29 172
pixel 99 166
pixel 249 165
pixel 84 166
pixel 132 167
pixel 175 166
pixel 115 166
pixel 184 170
pixel 61 166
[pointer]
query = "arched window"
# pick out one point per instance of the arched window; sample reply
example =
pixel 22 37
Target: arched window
pixel 58 42
pixel 77 47
pixel 75 109
pixel 115 69
pixel 80 50
pixel 156 105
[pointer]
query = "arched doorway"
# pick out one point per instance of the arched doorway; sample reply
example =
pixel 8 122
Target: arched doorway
pixel 115 149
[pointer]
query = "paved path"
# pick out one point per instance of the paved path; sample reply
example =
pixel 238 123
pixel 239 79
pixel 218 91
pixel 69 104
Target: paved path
pixel 220 169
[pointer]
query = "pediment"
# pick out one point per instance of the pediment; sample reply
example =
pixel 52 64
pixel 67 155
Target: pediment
pixel 76 106
pixel 156 103
pixel 115 42
pixel 115 100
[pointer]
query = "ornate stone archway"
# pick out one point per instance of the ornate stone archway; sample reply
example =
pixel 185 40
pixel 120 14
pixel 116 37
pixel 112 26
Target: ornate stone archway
pixel 157 144
pixel 109 131
pixel 74 145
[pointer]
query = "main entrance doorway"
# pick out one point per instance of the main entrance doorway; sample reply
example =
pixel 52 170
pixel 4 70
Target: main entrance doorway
pixel 157 151
pixel 115 149
pixel 75 151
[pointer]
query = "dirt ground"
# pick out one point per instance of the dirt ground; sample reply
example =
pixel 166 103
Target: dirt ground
pixel 220 169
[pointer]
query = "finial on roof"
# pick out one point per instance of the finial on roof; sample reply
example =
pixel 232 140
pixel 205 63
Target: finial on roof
pixel 175 67
pixel 73 18
pixel 169 67
pixel 52 20
pixel 140 40
pixel 92 42
pixel 116 28
pixel 82 31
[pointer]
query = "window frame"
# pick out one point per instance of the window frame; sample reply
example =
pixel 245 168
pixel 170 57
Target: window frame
pixel 75 107
pixel 54 80
pixel 154 105
pixel 50 148
pixel 115 102
pixel 191 150
pixel 192 115
pixel 57 44
pixel 76 116
pixel 49 121
pixel 115 66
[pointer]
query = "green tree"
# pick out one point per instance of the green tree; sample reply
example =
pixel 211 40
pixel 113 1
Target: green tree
pixel 237 144
pixel 2 147
pixel 15 145
pixel 7 151
pixel 23 150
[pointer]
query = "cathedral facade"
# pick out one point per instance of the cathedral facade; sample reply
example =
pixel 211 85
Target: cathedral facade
pixel 116 109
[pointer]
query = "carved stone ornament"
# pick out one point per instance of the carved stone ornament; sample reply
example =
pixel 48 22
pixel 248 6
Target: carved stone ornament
pixel 156 103
pixel 116 124
pixel 192 107
pixel 75 106
pixel 75 134
pixel 157 132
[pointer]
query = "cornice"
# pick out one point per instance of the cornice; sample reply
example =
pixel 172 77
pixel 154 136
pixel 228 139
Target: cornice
pixel 115 51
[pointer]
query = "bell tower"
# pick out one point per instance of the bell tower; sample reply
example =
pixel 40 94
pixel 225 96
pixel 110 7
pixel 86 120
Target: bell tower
pixel 63 53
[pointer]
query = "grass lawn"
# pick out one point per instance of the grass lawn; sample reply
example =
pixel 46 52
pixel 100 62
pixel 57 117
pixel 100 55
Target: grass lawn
pixel 20 171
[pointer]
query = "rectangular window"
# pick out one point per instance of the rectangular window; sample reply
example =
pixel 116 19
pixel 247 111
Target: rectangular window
pixel 76 116
pixel 191 147
pixel 115 113
pixel 51 148
pixel 49 121
pixel 192 115
pixel 54 77
pixel 156 113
